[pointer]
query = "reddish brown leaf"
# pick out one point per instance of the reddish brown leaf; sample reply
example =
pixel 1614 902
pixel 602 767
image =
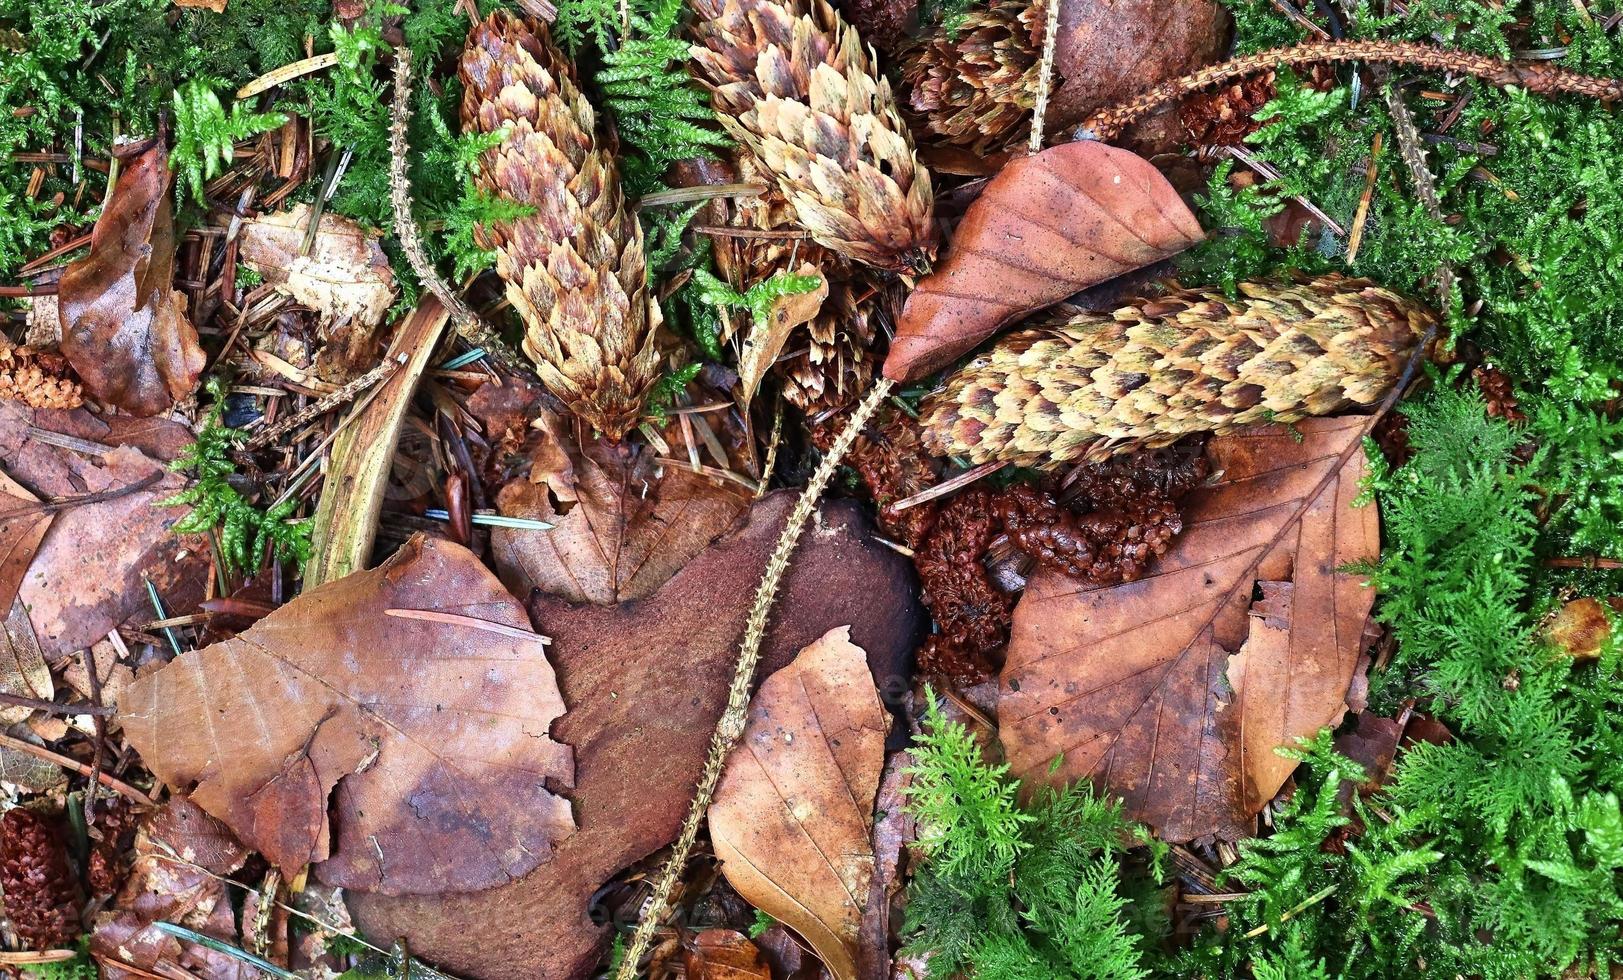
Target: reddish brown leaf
pixel 180 855
pixel 90 573
pixel 1111 50
pixel 1582 628
pixel 124 328
pixel 1045 227
pixel 624 523
pixel 433 731
pixel 645 682
pixel 723 954
pixel 1126 685
pixel 22 527
pixel 792 819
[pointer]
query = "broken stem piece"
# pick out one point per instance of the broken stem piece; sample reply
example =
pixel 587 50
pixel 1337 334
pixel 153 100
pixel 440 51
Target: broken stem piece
pixel 1537 77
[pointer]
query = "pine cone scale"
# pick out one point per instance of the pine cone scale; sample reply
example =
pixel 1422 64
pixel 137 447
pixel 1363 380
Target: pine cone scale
pixel 1149 373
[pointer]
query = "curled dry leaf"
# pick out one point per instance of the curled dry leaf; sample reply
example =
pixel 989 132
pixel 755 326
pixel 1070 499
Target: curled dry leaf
pixel 645 682
pixel 1126 685
pixel 434 731
pixel 723 954
pixel 1111 50
pixel 124 328
pixel 90 573
pixel 1045 227
pixel 765 339
pixel 792 819
pixel 345 276
pixel 623 523
pixel 181 854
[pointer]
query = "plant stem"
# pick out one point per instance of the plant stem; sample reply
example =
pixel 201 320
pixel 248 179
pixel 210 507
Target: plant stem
pixel 1535 76
pixel 731 724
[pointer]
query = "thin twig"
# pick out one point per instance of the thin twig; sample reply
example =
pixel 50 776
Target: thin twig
pixel 1045 77
pixel 74 765
pixel 326 404
pixel 468 622
pixel 52 707
pixel 701 192
pixel 68 503
pixel 731 724
pixel 1537 77
pixel 945 487
pixel 771 450
pixel 468 324
pixel 1361 216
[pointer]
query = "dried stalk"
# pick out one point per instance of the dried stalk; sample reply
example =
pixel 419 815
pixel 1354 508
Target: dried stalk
pixel 1045 76
pixel 327 403
pixel 1537 77
pixel 731 724
pixel 468 324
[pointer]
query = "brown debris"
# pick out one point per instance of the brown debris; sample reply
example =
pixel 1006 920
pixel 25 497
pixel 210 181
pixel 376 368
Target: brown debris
pixel 971 614
pixel 1499 393
pixel 38 379
pixel 891 462
pixel 41 897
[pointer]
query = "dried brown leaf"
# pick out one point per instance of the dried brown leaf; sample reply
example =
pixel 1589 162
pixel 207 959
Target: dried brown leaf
pixel 124 326
pixel 435 733
pixel 1045 227
pixel 89 574
pixel 23 670
pixel 792 819
pixel 623 523
pixel 1126 685
pixel 1108 51
pixel 645 682
pixel 723 954
pixel 345 276
pixel 23 524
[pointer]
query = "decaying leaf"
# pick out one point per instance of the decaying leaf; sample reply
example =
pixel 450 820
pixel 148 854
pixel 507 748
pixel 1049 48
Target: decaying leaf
pixel 1126 685
pixel 22 527
pixel 792 820
pixel 623 523
pixel 645 682
pixel 23 670
pixel 1583 627
pixel 766 337
pixel 1108 51
pixel 180 855
pixel 1045 227
pixel 434 731
pixel 90 573
pixel 124 328
pixel 345 276
pixel 723 954
pixel 217 6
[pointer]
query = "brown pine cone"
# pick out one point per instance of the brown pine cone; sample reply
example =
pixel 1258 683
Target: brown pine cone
pixel 793 83
pixel 110 841
pixel 835 360
pixel 1090 385
pixel 574 268
pixel 41 897
pixel 1499 394
pixel 838 361
pixel 977 86
pixel 36 379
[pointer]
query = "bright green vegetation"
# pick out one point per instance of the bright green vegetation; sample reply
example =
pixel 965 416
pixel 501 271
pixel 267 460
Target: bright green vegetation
pixel 247 534
pixel 1011 892
pixel 1527 180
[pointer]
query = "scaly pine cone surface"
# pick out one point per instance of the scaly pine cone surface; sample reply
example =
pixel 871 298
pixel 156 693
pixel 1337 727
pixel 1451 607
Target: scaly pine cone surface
pixel 574 268
pixel 37 380
pixel 1094 384
pixel 40 893
pixel 974 88
pixel 833 360
pixel 793 83
pixel 834 368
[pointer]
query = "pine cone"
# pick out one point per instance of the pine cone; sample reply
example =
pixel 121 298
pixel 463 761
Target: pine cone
pixel 574 268
pixel 793 83
pixel 837 361
pixel 837 364
pixel 1095 384
pixel 36 379
pixel 40 893
pixel 975 87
